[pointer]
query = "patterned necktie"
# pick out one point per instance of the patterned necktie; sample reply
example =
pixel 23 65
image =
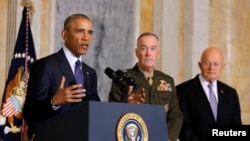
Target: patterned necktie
pixel 212 100
pixel 78 73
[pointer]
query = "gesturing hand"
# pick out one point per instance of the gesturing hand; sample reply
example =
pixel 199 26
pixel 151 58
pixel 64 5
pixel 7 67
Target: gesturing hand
pixel 70 94
pixel 136 98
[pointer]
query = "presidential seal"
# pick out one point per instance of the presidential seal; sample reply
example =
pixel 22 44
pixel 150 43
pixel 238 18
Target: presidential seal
pixel 131 127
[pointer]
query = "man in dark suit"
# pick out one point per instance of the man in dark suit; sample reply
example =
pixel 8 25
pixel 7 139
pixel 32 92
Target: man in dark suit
pixel 195 101
pixel 52 87
pixel 159 88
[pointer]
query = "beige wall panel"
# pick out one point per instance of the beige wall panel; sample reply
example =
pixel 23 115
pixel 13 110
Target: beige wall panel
pixel 3 43
pixel 146 21
pixel 230 31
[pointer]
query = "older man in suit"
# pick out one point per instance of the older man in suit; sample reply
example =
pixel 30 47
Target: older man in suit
pixel 196 103
pixel 53 86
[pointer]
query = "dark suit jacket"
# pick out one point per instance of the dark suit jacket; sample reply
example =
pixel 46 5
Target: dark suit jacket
pixel 198 115
pixel 155 96
pixel 44 81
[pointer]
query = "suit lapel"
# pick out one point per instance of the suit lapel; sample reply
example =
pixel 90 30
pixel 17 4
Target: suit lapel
pixel 65 68
pixel 202 98
pixel 142 81
pixel 86 75
pixel 220 99
pixel 140 78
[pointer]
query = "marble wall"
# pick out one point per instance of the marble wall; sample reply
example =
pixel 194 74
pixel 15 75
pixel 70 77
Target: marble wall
pixel 185 28
pixel 113 42
pixel 230 31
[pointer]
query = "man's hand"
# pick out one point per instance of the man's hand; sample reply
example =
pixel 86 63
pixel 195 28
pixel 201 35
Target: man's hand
pixel 70 94
pixel 136 98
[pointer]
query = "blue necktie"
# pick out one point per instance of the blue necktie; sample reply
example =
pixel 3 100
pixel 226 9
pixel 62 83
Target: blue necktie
pixel 212 100
pixel 78 73
pixel 79 80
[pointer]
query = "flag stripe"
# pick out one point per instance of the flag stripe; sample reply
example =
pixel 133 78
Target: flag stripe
pixel 9 109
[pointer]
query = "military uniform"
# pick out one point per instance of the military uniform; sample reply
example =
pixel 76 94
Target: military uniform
pixel 162 92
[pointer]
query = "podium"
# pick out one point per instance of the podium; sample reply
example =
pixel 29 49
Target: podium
pixel 106 121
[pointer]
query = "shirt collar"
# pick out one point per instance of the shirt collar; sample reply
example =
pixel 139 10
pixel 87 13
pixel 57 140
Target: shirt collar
pixel 205 83
pixel 146 74
pixel 70 57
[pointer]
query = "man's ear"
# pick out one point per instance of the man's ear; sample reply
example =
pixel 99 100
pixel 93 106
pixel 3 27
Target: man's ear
pixel 159 54
pixel 64 35
pixel 136 52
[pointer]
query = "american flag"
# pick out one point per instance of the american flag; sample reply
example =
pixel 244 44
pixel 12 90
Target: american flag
pixel 9 108
pixel 11 120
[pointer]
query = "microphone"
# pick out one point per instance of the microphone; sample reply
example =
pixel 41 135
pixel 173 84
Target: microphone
pixel 121 78
pixel 129 80
pixel 112 74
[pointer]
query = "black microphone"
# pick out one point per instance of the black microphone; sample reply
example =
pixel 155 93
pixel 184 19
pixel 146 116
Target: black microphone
pixel 112 74
pixel 129 80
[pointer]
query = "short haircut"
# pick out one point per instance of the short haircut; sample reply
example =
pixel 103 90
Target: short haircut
pixel 71 18
pixel 146 34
